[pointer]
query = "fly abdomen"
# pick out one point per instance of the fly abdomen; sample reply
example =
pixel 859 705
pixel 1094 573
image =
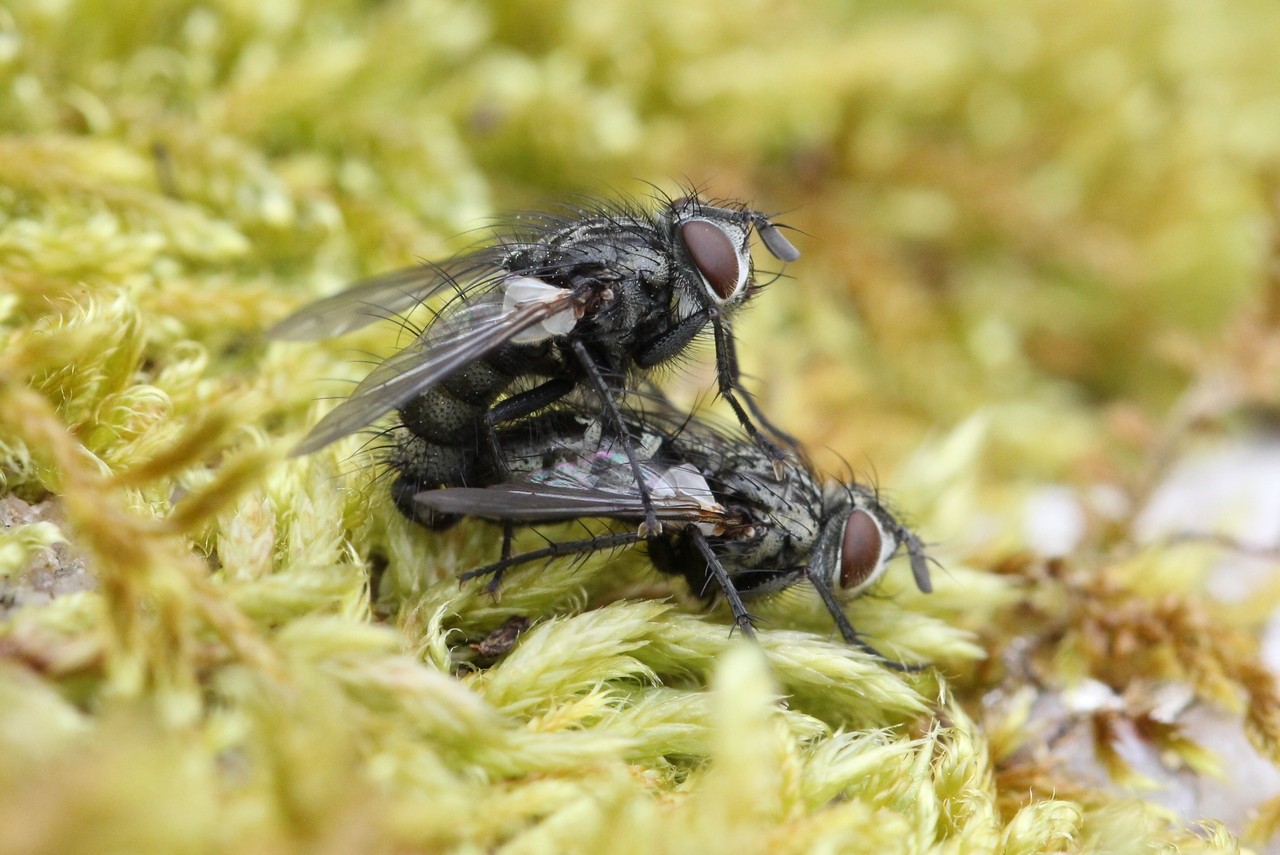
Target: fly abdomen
pixel 423 465
pixel 429 465
pixel 443 440
pixel 479 384
pixel 438 417
pixel 440 442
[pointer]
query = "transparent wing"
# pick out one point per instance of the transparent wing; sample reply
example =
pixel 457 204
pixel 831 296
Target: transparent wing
pixel 457 339
pixel 534 503
pixel 389 295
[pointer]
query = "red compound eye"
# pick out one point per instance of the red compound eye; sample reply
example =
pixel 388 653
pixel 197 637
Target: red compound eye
pixel 860 554
pixel 715 255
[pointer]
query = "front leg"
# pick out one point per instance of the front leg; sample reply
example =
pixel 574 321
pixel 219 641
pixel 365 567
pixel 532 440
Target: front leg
pixel 731 375
pixel 670 343
pixel 847 631
pixel 727 376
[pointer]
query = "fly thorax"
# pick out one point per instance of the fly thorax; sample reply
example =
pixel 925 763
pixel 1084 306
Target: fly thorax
pixel 763 545
pixel 793 504
pixel 632 310
pixel 645 443
pixel 522 292
pixel 593 434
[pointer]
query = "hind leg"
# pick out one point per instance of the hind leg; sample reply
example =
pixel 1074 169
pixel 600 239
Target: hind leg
pixel 554 550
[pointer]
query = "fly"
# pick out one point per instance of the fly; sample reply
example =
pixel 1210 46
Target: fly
pixel 554 305
pixel 731 525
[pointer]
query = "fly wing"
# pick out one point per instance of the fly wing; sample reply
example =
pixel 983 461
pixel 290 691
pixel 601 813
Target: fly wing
pixel 456 340
pixel 388 296
pixel 543 503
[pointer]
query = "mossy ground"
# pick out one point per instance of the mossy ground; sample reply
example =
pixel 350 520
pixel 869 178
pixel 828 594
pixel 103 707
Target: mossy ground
pixel 1040 246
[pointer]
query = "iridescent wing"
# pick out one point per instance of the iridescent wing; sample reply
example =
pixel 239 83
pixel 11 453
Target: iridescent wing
pixel 457 339
pixel 390 295
pixel 586 482
pixel 542 503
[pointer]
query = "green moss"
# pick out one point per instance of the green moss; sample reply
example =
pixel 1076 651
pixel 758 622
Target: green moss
pixel 1031 255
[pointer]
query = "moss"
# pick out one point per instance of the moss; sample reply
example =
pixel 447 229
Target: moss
pixel 1039 248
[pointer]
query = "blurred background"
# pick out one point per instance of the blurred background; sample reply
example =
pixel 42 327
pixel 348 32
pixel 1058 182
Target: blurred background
pixel 1038 300
pixel 1055 213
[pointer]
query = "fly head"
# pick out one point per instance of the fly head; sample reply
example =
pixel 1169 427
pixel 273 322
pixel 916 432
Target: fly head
pixel 715 244
pixel 859 538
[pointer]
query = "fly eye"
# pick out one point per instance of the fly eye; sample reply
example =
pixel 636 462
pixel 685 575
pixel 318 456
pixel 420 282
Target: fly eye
pixel 715 256
pixel 860 552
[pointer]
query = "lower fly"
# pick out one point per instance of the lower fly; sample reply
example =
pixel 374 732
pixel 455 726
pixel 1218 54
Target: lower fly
pixel 731 525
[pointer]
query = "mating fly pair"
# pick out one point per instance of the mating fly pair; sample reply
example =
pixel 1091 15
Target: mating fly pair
pixel 549 327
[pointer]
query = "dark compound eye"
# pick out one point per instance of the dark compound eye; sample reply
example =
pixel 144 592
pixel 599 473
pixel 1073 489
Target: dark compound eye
pixel 715 255
pixel 860 554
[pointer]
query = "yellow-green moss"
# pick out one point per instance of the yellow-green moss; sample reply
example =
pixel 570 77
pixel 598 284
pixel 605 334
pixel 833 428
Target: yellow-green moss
pixel 1039 247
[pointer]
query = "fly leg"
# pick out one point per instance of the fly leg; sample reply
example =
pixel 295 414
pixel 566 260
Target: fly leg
pixel 508 532
pixel 741 617
pixel 517 407
pixel 733 372
pixel 554 550
pixel 728 380
pixel 848 632
pixel 508 529
pixel 651 525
